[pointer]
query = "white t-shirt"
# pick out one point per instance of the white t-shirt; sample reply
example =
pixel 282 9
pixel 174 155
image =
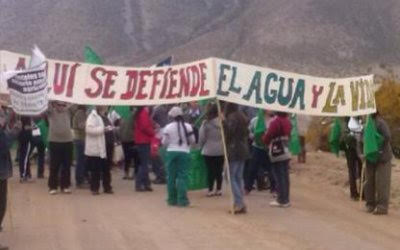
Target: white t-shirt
pixel 170 137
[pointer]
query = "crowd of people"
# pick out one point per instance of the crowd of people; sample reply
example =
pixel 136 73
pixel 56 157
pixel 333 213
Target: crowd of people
pixel 160 139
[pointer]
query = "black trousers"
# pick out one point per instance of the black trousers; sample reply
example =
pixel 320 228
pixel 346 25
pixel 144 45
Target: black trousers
pixel 128 148
pixel 3 199
pixel 215 165
pixel 259 164
pixel 60 164
pixel 100 170
pixel 354 166
pixel 37 143
pixel 23 158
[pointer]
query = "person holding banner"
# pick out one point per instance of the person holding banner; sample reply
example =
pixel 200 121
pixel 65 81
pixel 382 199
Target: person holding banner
pixel 351 142
pixel 236 139
pixel 378 171
pixel 60 147
pixel 8 134
pixel 143 134
pixel 25 146
pixel 38 144
pixel 277 139
pixel 177 137
pixel 99 145
pixel 210 142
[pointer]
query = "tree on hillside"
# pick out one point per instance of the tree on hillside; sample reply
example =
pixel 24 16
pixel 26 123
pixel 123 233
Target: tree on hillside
pixel 388 104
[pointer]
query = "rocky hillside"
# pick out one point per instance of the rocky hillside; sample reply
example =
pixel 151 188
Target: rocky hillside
pixel 320 37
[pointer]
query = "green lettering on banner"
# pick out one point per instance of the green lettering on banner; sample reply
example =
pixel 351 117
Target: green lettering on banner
pixel 328 108
pixel 354 95
pixel 232 87
pixel 370 95
pixel 340 98
pixel 270 98
pixel 221 79
pixel 299 95
pixel 362 101
pixel 284 100
pixel 254 86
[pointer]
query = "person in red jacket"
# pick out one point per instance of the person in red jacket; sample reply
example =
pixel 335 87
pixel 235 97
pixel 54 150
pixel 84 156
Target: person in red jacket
pixel 280 127
pixel 143 134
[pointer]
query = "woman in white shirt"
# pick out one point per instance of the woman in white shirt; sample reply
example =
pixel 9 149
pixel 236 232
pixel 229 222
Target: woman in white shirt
pixel 98 149
pixel 177 137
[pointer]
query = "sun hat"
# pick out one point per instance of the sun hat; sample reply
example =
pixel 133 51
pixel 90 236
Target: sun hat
pixel 175 112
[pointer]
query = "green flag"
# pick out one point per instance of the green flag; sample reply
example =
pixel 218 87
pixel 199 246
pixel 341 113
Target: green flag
pixel 334 137
pixel 123 111
pixel 294 142
pixel 259 128
pixel 91 56
pixel 372 141
pixel 203 103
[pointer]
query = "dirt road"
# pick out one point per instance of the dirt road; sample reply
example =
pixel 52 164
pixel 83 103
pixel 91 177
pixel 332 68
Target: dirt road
pixel 321 217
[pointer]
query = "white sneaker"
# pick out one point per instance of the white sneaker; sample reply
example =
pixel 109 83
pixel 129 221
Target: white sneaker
pixel 218 193
pixel 66 191
pixel 275 204
pixel 210 194
pixel 53 192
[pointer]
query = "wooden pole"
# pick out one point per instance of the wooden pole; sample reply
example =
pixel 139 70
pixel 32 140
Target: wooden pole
pixel 226 162
pixel 9 207
pixel 364 163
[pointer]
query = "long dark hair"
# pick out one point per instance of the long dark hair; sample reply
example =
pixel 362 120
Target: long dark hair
pixel 212 111
pixel 230 108
pixel 181 123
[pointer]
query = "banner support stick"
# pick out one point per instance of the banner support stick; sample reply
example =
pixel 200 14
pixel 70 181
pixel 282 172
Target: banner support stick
pixel 364 163
pixel 9 207
pixel 226 162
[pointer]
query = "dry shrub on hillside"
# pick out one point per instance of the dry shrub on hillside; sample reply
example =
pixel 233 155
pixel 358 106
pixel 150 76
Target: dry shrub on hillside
pixel 318 133
pixel 388 103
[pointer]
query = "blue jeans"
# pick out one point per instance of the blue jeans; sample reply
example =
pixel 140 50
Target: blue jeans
pixel 236 175
pixel 80 168
pixel 281 174
pixel 142 179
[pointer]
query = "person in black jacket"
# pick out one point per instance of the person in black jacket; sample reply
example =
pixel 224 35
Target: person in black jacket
pixel 352 151
pixel 8 133
pixel 25 145
pixel 378 175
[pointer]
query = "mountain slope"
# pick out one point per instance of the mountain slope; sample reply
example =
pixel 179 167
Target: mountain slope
pixel 321 37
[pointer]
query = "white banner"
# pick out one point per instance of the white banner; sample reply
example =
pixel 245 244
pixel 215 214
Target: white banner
pixel 90 84
pixel 28 91
pixel 293 93
pixel 230 81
